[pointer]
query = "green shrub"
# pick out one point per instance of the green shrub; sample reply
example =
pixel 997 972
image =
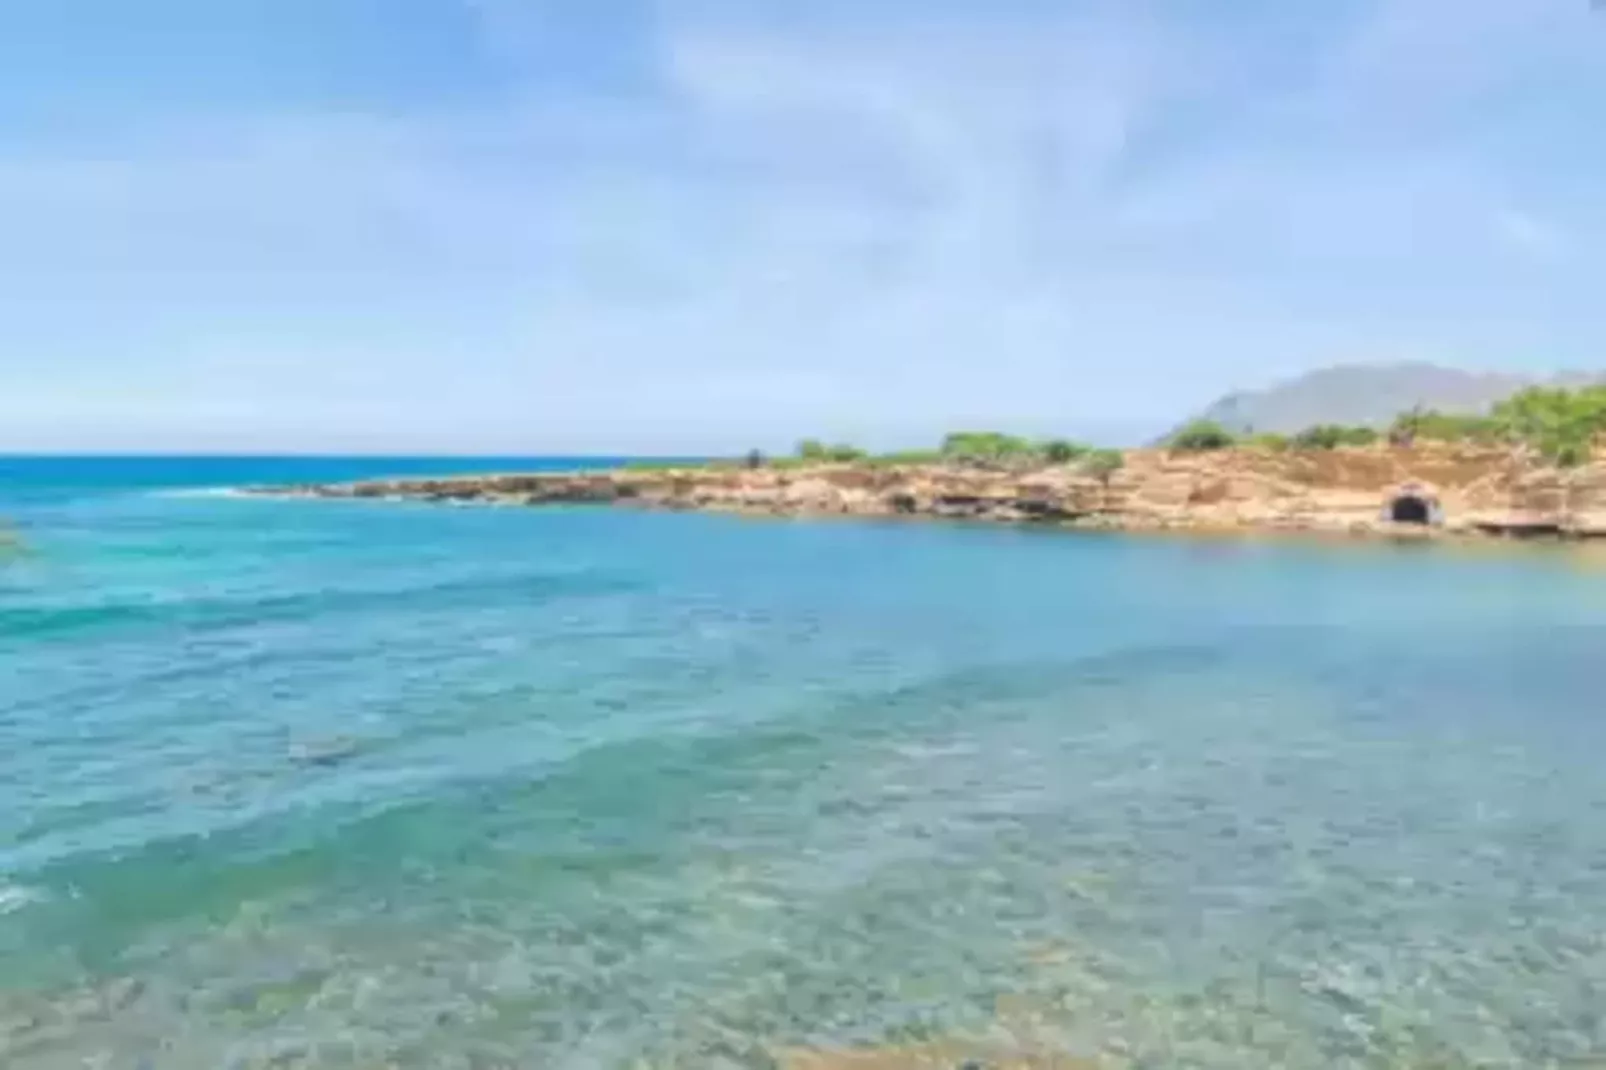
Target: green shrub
pixel 985 447
pixel 1102 464
pixel 813 451
pixel 1434 426
pixel 1562 425
pixel 1270 441
pixel 1059 451
pixel 908 457
pixel 1567 453
pixel 1202 435
pixel 1332 436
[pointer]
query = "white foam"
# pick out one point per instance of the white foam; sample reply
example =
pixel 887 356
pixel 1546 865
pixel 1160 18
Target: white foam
pixel 198 492
pixel 13 897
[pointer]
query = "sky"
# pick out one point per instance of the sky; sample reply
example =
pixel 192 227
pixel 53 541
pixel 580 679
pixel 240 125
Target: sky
pixel 688 226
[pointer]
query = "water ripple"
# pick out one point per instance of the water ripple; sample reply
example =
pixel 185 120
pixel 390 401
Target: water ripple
pixel 288 785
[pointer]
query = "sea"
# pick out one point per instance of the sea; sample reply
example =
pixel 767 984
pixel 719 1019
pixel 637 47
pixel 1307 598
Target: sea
pixel 337 784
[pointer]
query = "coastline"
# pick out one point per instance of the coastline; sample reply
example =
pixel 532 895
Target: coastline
pixel 1423 492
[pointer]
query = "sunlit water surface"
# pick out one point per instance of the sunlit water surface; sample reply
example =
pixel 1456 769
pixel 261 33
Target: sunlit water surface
pixel 359 785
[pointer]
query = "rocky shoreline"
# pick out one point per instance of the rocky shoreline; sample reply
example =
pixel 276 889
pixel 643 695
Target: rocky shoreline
pixel 1419 491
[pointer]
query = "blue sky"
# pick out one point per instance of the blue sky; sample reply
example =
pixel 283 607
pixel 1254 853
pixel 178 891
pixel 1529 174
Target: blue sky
pixel 688 225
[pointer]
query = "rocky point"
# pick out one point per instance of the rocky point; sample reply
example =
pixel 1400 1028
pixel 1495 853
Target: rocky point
pixel 1425 489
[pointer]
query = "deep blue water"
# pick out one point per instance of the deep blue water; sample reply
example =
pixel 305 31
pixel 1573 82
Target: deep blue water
pixel 341 784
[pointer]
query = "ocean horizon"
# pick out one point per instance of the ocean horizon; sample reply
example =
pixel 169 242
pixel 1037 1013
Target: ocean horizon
pixel 344 784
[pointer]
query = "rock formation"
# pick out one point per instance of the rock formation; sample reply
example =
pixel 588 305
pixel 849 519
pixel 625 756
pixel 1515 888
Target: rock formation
pixel 1423 489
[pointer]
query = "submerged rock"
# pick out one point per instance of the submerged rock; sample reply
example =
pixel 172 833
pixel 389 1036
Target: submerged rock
pixel 324 752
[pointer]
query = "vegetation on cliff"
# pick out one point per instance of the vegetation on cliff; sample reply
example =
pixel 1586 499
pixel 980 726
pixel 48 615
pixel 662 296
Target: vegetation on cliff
pixel 1332 436
pixel 992 447
pixel 1433 426
pixel 1102 464
pixel 983 449
pixel 1200 436
pixel 817 452
pixel 991 450
pixel 1269 441
pixel 1562 426
pixel 1371 395
pixel 1559 426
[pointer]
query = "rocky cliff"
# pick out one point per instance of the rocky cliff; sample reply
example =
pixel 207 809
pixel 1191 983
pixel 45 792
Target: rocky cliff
pixel 1425 489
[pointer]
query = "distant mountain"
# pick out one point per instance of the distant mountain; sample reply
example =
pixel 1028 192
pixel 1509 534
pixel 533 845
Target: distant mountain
pixel 1370 394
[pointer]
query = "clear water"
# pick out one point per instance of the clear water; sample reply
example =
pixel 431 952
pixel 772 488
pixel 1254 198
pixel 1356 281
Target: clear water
pixel 337 784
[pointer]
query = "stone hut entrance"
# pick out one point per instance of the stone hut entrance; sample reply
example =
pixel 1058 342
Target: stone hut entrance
pixel 1413 504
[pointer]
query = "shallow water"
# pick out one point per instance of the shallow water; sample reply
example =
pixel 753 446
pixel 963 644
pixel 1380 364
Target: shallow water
pixel 336 784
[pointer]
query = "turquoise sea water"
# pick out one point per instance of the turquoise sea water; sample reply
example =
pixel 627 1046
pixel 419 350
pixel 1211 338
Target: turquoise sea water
pixel 335 784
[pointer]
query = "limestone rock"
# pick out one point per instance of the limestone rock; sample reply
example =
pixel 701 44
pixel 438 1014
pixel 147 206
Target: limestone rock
pixel 1466 489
